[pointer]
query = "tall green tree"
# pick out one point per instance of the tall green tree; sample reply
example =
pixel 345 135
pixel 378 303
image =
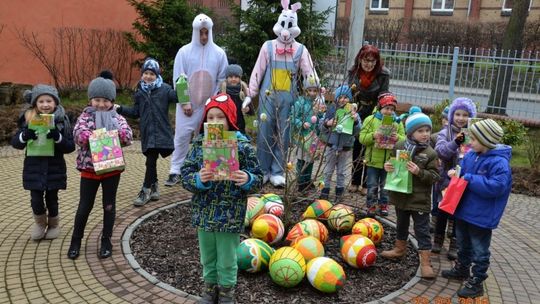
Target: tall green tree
pixel 163 26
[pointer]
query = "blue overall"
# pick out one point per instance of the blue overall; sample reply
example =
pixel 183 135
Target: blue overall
pixel 273 136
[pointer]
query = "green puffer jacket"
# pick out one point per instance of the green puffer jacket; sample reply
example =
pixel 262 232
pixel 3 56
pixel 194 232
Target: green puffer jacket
pixel 376 157
pixel 420 198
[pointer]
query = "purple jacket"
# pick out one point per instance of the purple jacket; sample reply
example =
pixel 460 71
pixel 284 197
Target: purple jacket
pixel 448 152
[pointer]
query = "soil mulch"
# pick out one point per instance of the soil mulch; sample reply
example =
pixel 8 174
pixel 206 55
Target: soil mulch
pixel 526 181
pixel 166 246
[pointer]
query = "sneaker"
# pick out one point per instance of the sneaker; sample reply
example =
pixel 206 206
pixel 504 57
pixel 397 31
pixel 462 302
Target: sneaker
pixel 277 181
pixel 226 295
pixel 266 178
pixel 371 211
pixel 383 211
pixel 154 192
pixel 209 295
pixel 456 273
pixel 142 198
pixel 473 288
pixel 172 180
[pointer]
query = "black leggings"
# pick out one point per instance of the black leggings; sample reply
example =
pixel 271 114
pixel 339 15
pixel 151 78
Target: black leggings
pixel 89 188
pixel 152 155
pixel 51 200
pixel 358 154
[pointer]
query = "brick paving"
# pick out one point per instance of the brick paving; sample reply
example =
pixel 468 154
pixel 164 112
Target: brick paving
pixel 40 272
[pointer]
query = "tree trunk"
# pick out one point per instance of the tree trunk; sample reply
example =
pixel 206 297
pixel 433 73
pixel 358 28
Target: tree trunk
pixel 513 40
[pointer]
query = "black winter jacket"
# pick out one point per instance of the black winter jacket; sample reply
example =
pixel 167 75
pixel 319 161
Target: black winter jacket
pixel 47 172
pixel 367 99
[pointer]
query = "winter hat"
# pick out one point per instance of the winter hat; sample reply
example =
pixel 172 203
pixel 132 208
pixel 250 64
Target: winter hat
pixel 487 132
pixel 416 120
pixel 225 103
pixel 343 90
pixel 310 82
pixel 387 99
pixel 42 89
pixel 102 86
pixel 234 70
pixel 461 103
pixel 150 64
pixel 444 112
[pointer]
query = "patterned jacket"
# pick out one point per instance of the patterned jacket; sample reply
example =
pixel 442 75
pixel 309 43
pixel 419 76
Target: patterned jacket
pixel 220 206
pixel 83 129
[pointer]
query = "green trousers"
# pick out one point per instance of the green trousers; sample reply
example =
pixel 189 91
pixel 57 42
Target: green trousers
pixel 218 257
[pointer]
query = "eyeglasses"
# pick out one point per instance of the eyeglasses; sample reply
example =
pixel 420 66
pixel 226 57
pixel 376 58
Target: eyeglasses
pixel 369 60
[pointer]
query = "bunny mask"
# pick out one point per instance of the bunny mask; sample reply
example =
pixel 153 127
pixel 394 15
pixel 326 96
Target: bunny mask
pixel 286 28
pixel 202 21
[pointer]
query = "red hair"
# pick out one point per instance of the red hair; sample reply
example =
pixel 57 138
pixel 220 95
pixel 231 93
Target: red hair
pixel 367 50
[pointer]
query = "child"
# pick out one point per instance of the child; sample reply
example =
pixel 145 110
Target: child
pixel 219 207
pixel 238 90
pixel 487 169
pixel 100 114
pixel 305 115
pixel 449 140
pixel 45 175
pixel 376 157
pixel 152 100
pixel 436 195
pixel 423 167
pixel 339 144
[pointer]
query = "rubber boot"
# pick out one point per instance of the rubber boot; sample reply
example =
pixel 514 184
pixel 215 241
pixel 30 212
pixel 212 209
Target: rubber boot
pixel 339 194
pixel 325 193
pixel 399 250
pixel 426 271
pixel 40 225
pixel 53 228
pixel 473 288
pixel 452 249
pixel 209 295
pixel 438 241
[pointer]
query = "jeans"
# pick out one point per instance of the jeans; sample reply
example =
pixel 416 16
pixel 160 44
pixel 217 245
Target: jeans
pixel 375 183
pixel 357 174
pixel 421 227
pixel 473 247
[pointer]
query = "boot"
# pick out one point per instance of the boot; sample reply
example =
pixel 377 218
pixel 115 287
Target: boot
pixel 106 248
pixel 209 295
pixel 325 192
pixel 154 192
pixel 38 230
pixel 452 249
pixel 473 288
pixel 53 228
pixel 438 241
pixel 339 194
pixel 142 198
pixel 458 272
pixel 74 248
pixel 399 250
pixel 426 271
pixel 226 295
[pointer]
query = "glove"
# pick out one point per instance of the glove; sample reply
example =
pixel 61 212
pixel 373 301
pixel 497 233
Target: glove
pixel 28 134
pixel 460 138
pixel 54 134
pixel 246 102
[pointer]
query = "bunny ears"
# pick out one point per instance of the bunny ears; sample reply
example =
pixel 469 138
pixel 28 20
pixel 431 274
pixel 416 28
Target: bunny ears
pixel 294 7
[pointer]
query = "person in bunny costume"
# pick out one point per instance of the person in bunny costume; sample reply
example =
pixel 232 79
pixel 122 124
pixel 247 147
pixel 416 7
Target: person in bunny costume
pixel 274 78
pixel 203 63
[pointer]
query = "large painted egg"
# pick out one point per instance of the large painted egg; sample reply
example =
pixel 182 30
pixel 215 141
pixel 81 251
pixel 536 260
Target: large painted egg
pixel 253 255
pixel 320 209
pixel 255 207
pixel 341 219
pixel 268 227
pixel 358 251
pixel 310 247
pixel 308 227
pixel 325 274
pixel 287 267
pixel 273 204
pixel 370 228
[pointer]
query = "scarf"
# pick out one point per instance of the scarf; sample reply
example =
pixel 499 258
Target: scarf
pixel 106 119
pixel 366 79
pixel 234 89
pixel 147 87
pixel 412 146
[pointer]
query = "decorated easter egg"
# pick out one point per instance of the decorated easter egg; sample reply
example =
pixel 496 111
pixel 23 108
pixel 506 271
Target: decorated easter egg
pixel 268 227
pixel 273 204
pixel 370 228
pixel 325 274
pixel 287 267
pixel 253 255
pixel 319 209
pixel 310 247
pixel 341 219
pixel 358 251
pixel 308 227
pixel 255 207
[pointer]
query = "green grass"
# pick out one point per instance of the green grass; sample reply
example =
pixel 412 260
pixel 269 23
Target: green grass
pixel 520 157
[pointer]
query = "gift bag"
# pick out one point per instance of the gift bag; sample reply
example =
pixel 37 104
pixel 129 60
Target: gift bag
pixel 220 151
pixel 182 89
pixel 42 146
pixel 452 195
pixel 387 129
pixel 399 180
pixel 106 152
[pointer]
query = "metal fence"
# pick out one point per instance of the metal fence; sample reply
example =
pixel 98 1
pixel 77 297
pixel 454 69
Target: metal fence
pixel 427 75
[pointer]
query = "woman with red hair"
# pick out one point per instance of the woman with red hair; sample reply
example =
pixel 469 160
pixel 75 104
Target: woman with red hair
pixel 369 78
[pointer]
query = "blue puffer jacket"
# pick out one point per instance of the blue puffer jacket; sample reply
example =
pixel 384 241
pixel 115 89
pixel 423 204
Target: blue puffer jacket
pixel 490 182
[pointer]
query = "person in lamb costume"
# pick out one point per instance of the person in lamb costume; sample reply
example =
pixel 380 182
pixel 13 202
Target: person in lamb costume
pixel 274 78
pixel 203 63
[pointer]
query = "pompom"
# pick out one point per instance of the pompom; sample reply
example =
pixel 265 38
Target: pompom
pixel 107 74
pixel 415 109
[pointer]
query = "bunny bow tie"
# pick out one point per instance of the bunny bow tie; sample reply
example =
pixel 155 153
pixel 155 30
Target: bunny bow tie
pixel 283 51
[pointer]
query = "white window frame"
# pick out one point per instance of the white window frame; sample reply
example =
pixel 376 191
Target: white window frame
pixel 509 10
pixel 442 9
pixel 379 8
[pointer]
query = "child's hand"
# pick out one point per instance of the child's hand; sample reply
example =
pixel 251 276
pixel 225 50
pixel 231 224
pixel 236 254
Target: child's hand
pixel 239 177
pixel 388 167
pixel 205 175
pixel 451 173
pixel 28 134
pixel 377 135
pixel 460 138
pixel 306 125
pixel 330 122
pixel 413 168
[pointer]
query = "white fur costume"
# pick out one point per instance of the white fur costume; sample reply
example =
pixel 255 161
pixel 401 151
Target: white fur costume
pixel 204 66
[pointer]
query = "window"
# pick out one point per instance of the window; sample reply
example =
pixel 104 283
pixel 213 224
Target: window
pixel 507 6
pixel 378 5
pixel 442 5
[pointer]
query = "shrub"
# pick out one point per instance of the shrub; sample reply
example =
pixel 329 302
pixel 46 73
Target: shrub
pixel 436 116
pixel 514 132
pixel 533 151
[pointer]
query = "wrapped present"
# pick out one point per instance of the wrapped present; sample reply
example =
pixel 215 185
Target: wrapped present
pixel 106 152
pixel 42 146
pixel 399 180
pixel 387 129
pixel 182 89
pixel 344 119
pixel 220 151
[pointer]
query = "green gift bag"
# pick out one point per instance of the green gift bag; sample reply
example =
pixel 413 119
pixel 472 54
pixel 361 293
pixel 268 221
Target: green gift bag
pixel 182 89
pixel 399 180
pixel 42 146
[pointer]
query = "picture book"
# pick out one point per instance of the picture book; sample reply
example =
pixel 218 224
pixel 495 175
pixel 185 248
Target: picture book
pixel 387 129
pixel 42 146
pixel 220 151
